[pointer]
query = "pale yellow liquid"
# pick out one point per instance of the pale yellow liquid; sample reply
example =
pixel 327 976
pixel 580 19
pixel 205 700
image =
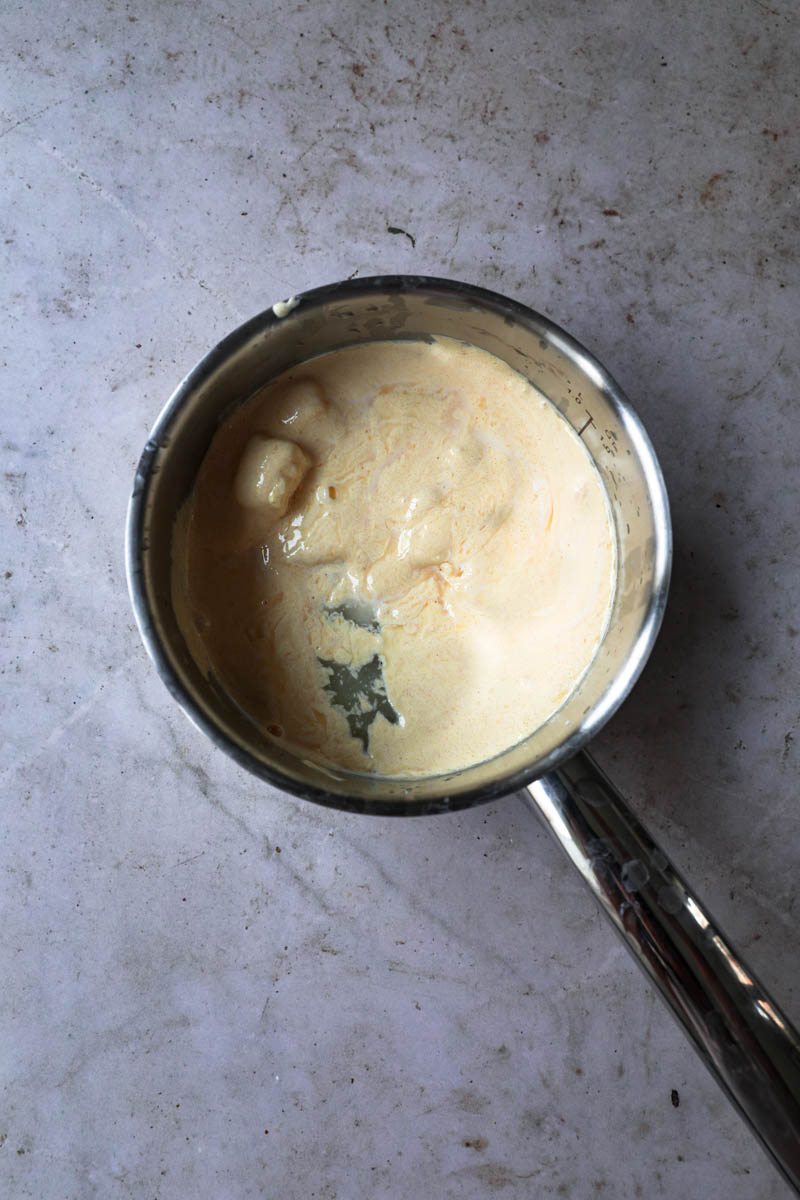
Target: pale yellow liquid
pixel 435 533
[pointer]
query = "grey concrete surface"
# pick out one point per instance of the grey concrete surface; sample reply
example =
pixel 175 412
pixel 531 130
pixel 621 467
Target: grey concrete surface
pixel 211 989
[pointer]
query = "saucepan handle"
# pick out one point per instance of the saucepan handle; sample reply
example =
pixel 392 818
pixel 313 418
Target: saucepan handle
pixel 739 1031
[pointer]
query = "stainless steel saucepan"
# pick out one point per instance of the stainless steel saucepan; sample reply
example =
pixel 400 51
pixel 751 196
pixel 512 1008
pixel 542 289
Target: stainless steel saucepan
pixel 737 1028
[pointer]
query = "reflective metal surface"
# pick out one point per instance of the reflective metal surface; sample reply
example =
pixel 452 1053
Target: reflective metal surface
pixel 405 307
pixel 738 1029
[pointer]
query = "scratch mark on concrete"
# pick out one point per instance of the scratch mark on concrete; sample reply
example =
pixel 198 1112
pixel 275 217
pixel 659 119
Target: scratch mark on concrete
pixel 193 858
pixel 149 235
pixel 73 95
pixel 749 391
pixel 57 733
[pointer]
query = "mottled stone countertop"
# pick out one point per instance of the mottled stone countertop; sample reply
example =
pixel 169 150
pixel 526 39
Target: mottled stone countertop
pixel 211 989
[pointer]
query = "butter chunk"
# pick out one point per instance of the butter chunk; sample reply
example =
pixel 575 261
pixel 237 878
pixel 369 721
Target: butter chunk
pixel 269 473
pixel 302 404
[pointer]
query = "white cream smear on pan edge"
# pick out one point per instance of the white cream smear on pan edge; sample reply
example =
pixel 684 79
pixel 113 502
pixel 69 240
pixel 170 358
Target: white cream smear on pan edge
pixel 398 558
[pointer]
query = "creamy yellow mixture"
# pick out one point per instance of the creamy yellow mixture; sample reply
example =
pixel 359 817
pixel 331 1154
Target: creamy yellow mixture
pixel 398 558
